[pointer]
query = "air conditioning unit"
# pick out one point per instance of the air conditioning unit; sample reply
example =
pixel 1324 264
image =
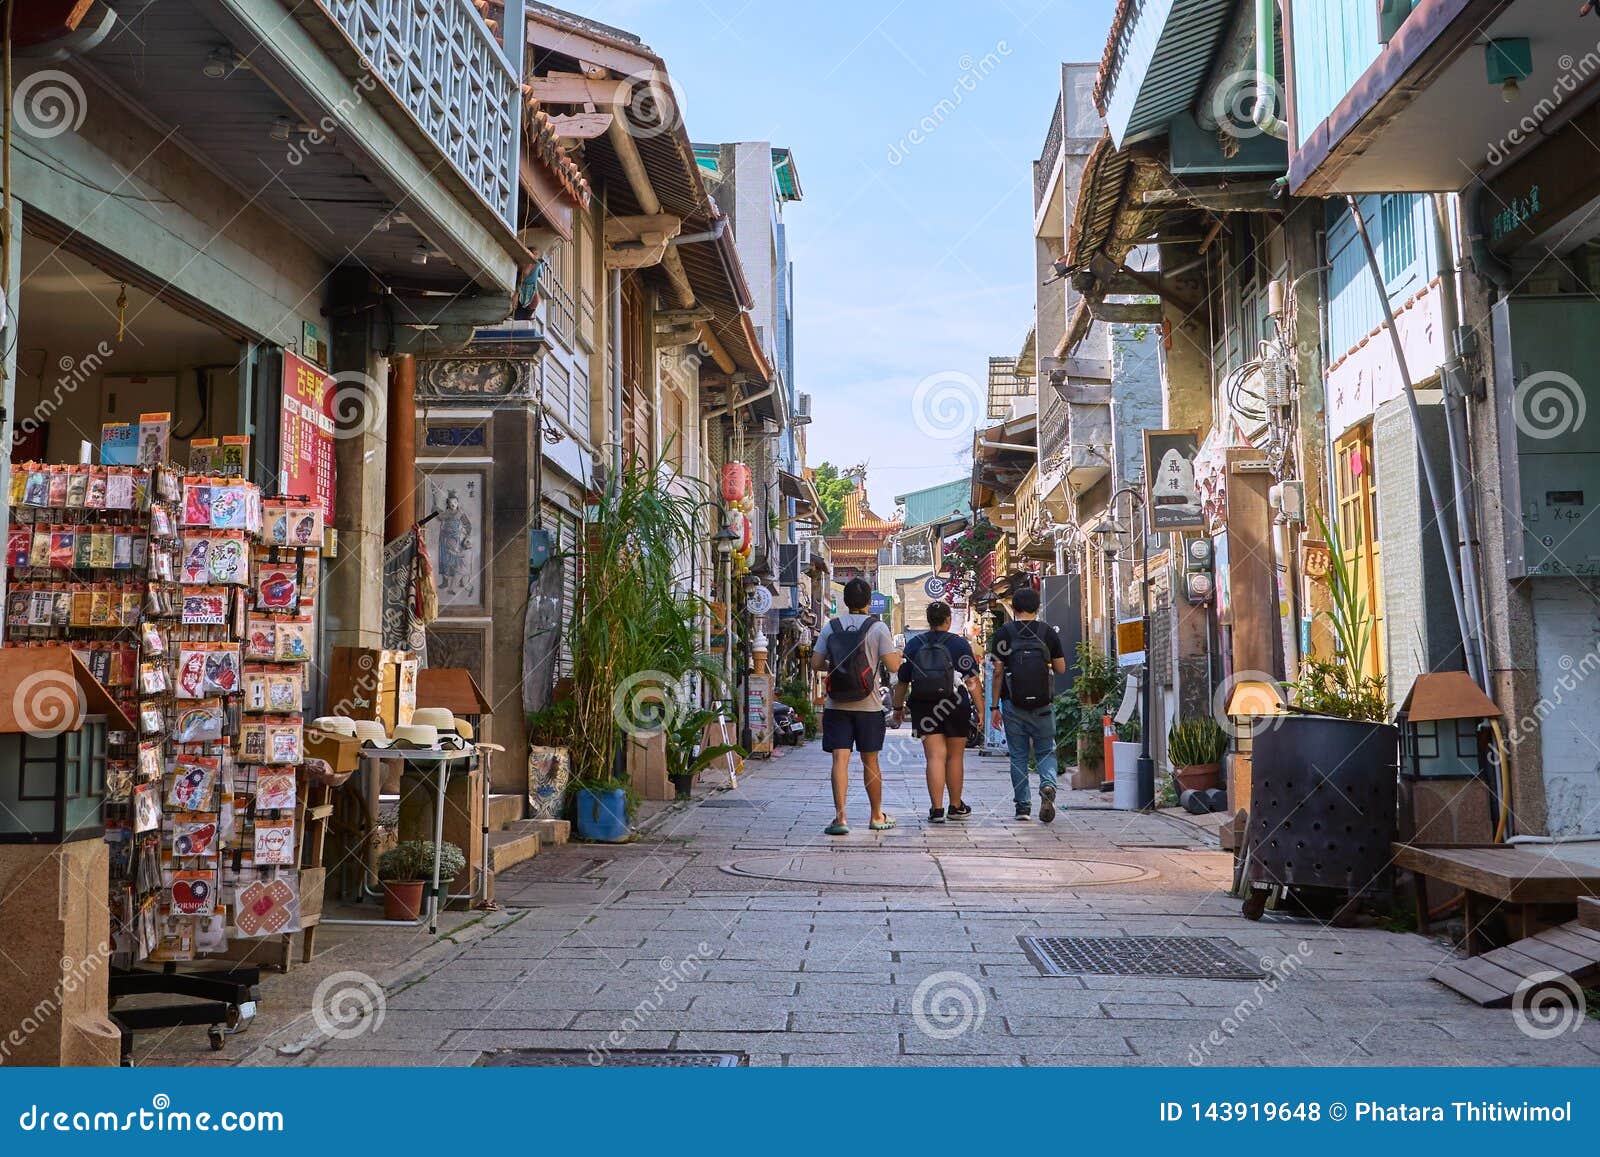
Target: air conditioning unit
pixel 802 410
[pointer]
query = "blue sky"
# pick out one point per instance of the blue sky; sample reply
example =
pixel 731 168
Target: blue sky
pixel 914 262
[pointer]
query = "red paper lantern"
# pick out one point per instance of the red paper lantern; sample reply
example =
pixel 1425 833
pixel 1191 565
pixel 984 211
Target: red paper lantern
pixel 735 481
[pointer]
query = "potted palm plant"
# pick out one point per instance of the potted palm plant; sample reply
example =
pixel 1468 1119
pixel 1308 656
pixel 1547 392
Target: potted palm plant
pixel 1196 746
pixel 406 869
pixel 686 757
pixel 632 627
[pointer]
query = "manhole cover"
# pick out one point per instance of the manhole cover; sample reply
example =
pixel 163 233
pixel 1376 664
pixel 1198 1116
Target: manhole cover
pixel 635 1059
pixel 723 802
pixel 1197 957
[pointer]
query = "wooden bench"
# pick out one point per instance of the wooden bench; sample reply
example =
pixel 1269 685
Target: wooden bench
pixel 1531 890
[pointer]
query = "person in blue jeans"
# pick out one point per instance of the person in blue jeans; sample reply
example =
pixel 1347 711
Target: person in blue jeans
pixel 1026 654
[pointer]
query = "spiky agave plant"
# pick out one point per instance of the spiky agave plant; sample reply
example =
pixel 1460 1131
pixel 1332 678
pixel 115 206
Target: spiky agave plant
pixel 1339 688
pixel 632 625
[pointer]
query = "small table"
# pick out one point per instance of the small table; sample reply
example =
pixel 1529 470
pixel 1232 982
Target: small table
pixel 440 763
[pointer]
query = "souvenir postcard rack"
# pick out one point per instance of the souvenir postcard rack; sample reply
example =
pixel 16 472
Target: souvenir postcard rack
pixel 192 599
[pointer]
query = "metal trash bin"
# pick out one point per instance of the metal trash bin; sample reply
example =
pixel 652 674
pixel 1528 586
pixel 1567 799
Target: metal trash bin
pixel 1322 805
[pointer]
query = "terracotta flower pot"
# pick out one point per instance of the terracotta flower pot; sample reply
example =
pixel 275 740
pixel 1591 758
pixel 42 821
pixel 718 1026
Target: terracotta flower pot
pixel 402 899
pixel 1200 777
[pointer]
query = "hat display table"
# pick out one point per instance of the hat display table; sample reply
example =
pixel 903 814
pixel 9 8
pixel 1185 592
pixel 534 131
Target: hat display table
pixel 434 767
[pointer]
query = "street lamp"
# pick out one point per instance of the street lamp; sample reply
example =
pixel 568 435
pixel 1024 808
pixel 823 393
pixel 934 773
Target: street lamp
pixel 1146 777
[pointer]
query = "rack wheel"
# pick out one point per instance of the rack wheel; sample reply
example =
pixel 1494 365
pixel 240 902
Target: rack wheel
pixel 1255 903
pixel 217 1038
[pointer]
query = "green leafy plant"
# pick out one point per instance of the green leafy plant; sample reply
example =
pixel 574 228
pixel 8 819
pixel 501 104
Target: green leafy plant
pixel 1197 741
pixel 685 757
pixel 798 696
pixel 1069 721
pixel 963 558
pixel 1098 675
pixel 552 725
pixel 1338 687
pixel 412 860
pixel 630 620
pixel 1131 731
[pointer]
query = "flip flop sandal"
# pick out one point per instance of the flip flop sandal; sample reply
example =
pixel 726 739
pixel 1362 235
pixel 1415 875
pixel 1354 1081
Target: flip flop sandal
pixel 836 830
pixel 882 826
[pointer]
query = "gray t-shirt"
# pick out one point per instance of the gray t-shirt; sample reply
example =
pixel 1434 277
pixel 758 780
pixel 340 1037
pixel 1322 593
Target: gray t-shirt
pixel 876 642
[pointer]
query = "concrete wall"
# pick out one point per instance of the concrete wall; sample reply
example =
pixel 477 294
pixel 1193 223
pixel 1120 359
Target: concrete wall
pixel 1419 617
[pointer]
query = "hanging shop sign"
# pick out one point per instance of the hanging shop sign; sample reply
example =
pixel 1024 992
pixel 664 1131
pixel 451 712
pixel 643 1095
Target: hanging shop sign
pixel 1172 496
pixel 306 460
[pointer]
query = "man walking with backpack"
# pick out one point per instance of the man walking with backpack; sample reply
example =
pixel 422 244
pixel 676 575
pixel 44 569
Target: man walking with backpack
pixel 939 678
pixel 849 649
pixel 1026 653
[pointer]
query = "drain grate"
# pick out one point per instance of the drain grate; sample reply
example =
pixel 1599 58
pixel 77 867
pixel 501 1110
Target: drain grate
pixel 721 802
pixel 632 1058
pixel 1196 957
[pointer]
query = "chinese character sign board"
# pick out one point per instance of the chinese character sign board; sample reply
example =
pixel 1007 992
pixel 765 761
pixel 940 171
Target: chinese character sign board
pixel 306 434
pixel 1171 496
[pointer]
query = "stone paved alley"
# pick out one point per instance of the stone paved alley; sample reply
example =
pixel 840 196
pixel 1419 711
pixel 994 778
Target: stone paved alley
pixel 735 925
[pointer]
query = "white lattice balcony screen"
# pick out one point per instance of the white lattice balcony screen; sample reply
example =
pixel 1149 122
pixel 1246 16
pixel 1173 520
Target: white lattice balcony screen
pixel 439 60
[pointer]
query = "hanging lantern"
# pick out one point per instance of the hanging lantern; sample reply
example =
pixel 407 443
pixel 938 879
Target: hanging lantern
pixel 735 482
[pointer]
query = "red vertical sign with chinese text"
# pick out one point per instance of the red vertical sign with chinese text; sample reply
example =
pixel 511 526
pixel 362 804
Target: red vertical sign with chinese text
pixel 306 433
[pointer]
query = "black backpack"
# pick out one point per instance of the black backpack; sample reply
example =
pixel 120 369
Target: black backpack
pixel 933 672
pixel 1028 668
pixel 851 677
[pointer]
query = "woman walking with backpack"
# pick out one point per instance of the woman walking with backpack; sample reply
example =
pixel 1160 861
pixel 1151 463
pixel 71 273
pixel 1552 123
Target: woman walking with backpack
pixel 1026 653
pixel 939 678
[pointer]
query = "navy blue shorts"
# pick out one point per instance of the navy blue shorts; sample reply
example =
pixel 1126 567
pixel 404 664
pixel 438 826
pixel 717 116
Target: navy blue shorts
pixel 861 730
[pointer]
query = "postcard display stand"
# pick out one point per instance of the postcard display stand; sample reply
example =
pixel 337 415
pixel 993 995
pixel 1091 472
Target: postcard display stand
pixel 192 599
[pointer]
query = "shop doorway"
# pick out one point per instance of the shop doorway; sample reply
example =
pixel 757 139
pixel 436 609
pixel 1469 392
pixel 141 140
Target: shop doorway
pixel 96 346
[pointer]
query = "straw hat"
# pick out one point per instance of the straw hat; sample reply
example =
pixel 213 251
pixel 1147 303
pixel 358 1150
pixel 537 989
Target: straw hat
pixel 417 735
pixel 439 717
pixel 336 725
pixel 370 731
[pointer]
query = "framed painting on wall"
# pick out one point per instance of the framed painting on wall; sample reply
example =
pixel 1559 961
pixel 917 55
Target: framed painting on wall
pixel 454 503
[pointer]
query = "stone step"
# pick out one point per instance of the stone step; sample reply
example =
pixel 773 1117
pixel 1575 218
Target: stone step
pixel 1589 912
pixel 548 831
pixel 509 848
pixel 505 810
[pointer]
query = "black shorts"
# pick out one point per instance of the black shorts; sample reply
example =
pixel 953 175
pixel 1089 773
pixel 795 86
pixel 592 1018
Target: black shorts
pixel 861 730
pixel 948 717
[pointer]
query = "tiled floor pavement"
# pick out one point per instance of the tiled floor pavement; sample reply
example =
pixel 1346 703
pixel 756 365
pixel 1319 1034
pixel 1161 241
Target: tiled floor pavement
pixel 735 925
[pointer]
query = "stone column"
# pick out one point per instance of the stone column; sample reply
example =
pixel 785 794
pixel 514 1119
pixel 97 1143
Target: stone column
pixel 353 586
pixel 58 932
